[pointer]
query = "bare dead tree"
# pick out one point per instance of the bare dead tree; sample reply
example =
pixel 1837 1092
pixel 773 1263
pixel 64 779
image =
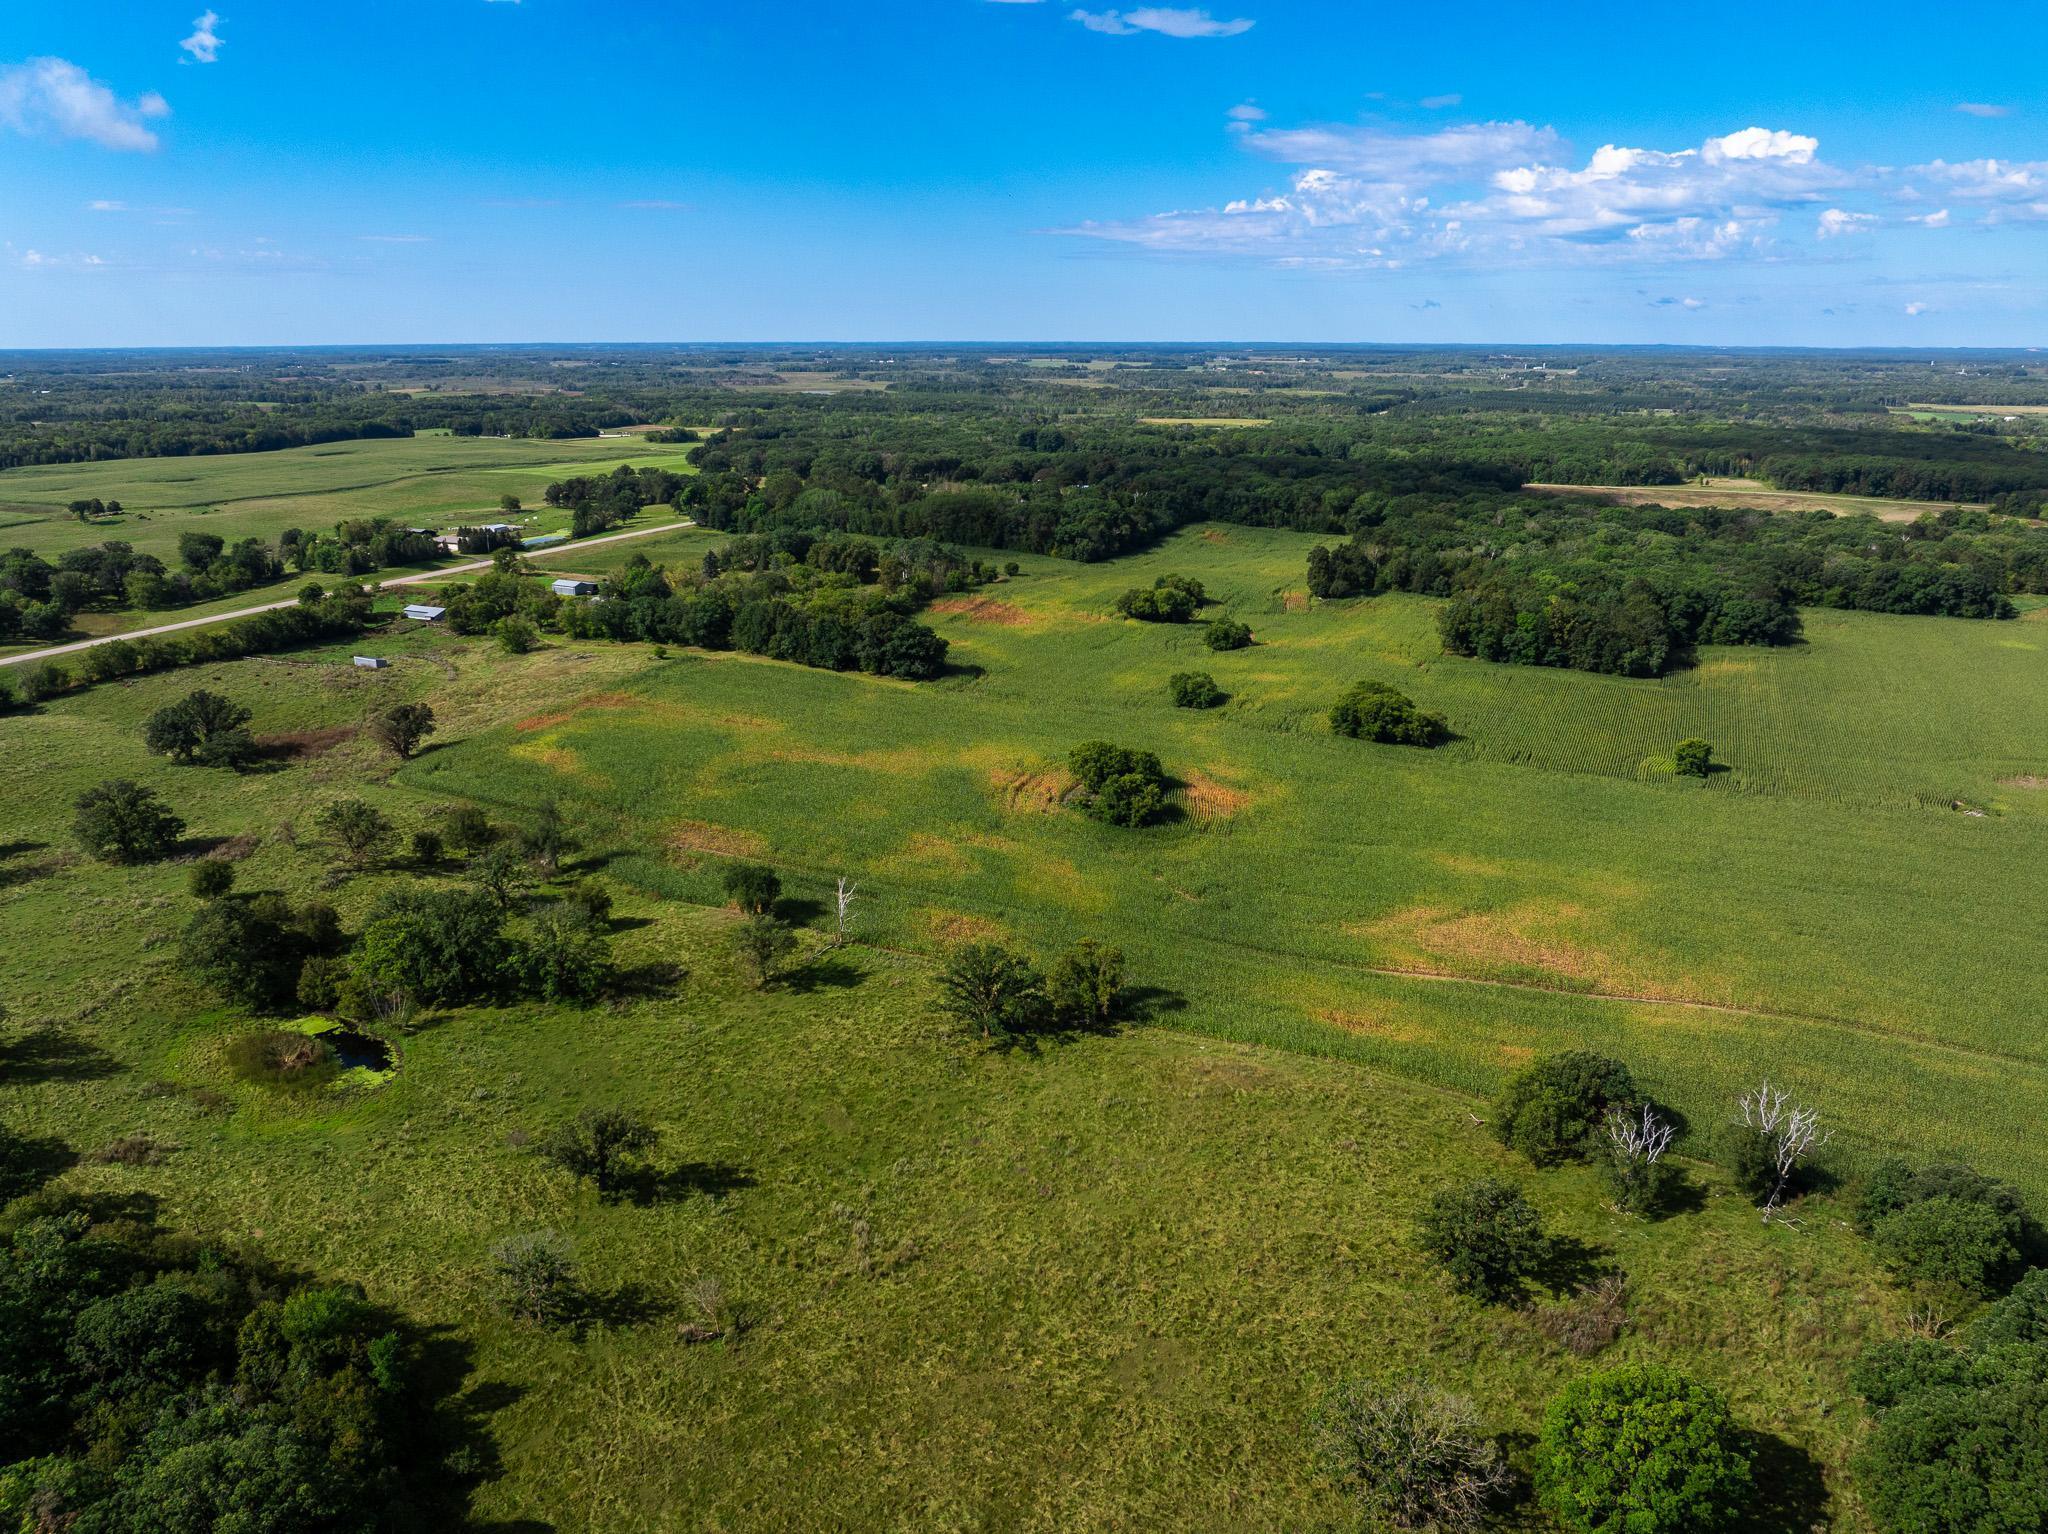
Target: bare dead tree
pixel 843 895
pixel 1789 1131
pixel 1637 1140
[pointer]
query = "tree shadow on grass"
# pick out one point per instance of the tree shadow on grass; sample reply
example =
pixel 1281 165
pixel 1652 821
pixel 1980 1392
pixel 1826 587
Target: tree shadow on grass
pixel 631 1304
pixel 1570 1264
pixel 688 1179
pixel 798 911
pixel 829 973
pixel 16 849
pixel 28 1162
pixel 1681 1194
pixel 1149 1004
pixel 1791 1491
pixel 50 1054
pixel 650 982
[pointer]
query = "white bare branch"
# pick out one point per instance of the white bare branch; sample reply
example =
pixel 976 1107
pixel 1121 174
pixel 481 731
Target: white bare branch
pixel 1640 1138
pixel 1792 1132
pixel 843 895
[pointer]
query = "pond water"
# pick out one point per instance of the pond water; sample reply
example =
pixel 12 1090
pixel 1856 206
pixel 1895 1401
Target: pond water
pixel 357 1051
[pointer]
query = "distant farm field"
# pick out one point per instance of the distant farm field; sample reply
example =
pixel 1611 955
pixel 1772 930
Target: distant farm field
pixel 428 479
pixel 1750 493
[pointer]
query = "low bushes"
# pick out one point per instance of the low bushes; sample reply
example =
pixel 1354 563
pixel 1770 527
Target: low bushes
pixel 1487 1237
pixel 1412 1456
pixel 1172 599
pixel 1641 1448
pixel 1123 787
pixel 1554 1110
pixel 1947 1225
pixel 1376 712
pixel 1194 689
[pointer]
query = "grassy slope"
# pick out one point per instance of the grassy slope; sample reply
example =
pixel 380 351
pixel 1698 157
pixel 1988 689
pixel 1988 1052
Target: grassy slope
pixel 1132 1262
pixel 1823 881
pixel 1097 1285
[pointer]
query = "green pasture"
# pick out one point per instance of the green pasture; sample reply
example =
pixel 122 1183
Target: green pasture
pixel 1818 913
pixel 1134 1261
pixel 1096 1284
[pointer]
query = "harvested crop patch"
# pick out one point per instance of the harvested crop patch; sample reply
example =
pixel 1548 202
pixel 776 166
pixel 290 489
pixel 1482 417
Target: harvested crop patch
pixel 597 700
pixel 1039 791
pixel 694 836
pixel 984 610
pixel 304 745
pixel 951 927
pixel 1206 799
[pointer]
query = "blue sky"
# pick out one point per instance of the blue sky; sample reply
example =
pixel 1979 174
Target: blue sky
pixel 505 170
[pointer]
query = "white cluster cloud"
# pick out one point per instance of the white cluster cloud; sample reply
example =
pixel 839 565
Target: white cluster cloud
pixel 204 43
pixel 1362 196
pixel 55 97
pixel 2009 191
pixel 1168 21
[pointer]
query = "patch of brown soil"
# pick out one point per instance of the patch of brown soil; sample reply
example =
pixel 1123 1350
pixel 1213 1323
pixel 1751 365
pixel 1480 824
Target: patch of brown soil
pixel 1033 793
pixel 984 610
pixel 2024 780
pixel 304 745
pixel 1214 535
pixel 1522 937
pixel 689 836
pixel 1372 1025
pixel 1207 799
pixel 1294 601
pixel 564 715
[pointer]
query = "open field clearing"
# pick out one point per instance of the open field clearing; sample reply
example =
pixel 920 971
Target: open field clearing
pixel 1140 1257
pixel 427 480
pixel 1747 492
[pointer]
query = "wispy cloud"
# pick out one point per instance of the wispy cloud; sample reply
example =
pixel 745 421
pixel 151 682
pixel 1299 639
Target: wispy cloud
pixel 1438 103
pixel 204 43
pixel 1836 223
pixel 1916 309
pixel 1166 20
pixel 55 98
pixel 1982 109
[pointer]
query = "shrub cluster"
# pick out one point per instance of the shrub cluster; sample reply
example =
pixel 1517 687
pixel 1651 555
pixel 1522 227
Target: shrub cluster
pixel 1172 599
pixel 1121 786
pixel 1376 712
pixel 1194 689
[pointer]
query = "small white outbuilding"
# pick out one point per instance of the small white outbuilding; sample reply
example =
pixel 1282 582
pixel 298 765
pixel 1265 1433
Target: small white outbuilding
pixel 574 588
pixel 422 613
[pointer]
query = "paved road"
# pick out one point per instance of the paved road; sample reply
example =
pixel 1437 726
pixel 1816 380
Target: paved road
pixel 264 607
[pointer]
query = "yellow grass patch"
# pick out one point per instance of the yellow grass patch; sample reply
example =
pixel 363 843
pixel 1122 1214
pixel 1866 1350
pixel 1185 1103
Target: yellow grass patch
pixel 1464 863
pixel 2024 780
pixel 1523 937
pixel 1214 535
pixel 985 610
pixel 1294 601
pixel 1032 791
pixel 1207 799
pixel 950 927
pixel 685 837
pixel 926 853
pixel 551 753
pixel 1728 665
pixel 563 716
pixel 1377 1025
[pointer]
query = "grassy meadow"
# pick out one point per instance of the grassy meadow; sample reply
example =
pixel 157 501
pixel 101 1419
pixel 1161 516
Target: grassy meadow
pixel 1100 1283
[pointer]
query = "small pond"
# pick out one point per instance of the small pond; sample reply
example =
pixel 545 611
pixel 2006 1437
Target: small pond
pixel 358 1051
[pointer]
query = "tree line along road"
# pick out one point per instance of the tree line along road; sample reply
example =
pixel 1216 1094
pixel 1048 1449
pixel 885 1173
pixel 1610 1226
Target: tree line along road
pixel 264 607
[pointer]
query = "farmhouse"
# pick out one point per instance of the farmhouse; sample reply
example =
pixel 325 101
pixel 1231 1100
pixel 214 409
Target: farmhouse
pixel 574 588
pixel 423 613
